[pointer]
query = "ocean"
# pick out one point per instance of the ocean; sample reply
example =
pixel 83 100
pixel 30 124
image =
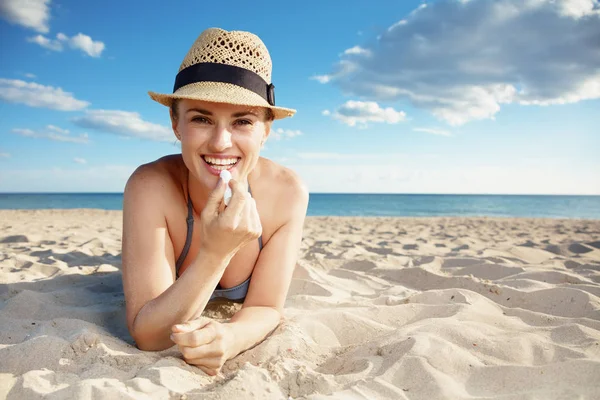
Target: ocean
pixel 325 204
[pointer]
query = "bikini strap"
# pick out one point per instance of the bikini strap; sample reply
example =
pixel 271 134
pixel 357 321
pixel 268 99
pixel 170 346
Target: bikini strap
pixel 188 239
pixel 260 242
pixel 190 231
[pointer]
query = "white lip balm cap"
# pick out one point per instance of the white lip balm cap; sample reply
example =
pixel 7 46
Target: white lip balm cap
pixel 226 176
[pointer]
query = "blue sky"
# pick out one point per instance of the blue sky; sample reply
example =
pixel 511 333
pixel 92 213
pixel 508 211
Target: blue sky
pixel 404 96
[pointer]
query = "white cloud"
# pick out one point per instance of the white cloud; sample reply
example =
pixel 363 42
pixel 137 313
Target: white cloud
pixel 420 177
pixel 344 67
pixel 380 159
pixel 577 8
pixel 326 113
pixel 53 134
pixel 79 42
pixel 4 155
pixel 279 133
pixel 87 45
pixel 83 138
pixel 357 50
pixel 46 43
pixel 401 22
pixel 57 129
pixel 322 78
pixel 36 95
pixel 124 123
pixel 353 112
pixel 30 76
pixel 348 156
pixel 106 178
pixel 33 14
pixel 24 132
pixel 325 156
pixel 80 160
pixel 433 131
pixel 488 54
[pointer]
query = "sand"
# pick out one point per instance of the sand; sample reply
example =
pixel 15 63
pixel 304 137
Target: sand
pixel 379 308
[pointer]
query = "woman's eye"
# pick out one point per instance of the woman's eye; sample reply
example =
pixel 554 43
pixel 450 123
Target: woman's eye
pixel 244 122
pixel 201 120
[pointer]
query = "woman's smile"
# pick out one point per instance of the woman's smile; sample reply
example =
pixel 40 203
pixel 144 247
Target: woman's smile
pixel 216 164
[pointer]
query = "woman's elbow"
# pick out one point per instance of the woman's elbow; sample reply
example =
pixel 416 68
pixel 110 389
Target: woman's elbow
pixel 149 342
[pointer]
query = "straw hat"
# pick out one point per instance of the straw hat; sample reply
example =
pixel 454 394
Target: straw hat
pixel 226 67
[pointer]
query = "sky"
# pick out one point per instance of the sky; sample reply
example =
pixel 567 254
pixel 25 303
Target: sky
pixel 447 96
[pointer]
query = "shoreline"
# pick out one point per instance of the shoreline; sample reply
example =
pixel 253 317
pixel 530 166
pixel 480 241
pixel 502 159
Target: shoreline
pixel 60 211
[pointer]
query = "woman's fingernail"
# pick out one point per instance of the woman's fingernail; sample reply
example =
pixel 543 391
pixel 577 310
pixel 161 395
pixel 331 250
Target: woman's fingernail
pixel 219 182
pixel 172 337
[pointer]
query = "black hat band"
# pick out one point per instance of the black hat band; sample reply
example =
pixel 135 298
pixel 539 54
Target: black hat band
pixel 216 72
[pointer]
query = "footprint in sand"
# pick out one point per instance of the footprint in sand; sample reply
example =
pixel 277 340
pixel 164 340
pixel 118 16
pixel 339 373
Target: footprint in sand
pixel 380 251
pixel 359 265
pixel 411 247
pixel 15 239
pixel 461 247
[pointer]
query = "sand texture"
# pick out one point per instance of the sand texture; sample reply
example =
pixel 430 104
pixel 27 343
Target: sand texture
pixel 379 308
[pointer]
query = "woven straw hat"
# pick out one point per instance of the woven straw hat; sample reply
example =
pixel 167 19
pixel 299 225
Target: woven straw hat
pixel 226 67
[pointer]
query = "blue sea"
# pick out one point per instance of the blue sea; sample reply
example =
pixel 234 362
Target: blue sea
pixel 321 204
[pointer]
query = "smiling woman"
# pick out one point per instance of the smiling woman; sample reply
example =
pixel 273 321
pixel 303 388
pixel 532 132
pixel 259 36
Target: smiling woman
pixel 182 247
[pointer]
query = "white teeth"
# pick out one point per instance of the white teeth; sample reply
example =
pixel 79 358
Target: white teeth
pixel 220 161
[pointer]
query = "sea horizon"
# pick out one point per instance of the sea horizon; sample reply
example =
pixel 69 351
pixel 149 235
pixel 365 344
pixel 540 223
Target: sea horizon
pixel 361 204
pixel 353 193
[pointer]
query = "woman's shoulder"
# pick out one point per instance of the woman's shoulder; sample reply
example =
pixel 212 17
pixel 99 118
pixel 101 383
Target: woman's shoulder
pixel 283 186
pixel 161 178
pixel 276 177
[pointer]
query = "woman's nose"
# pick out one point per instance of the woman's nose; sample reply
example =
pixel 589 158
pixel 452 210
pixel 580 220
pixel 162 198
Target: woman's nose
pixel 221 139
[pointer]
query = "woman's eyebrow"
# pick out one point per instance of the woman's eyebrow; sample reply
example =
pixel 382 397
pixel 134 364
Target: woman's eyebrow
pixel 235 115
pixel 199 110
pixel 242 113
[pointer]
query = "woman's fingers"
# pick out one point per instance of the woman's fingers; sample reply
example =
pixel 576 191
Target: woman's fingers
pixel 191 325
pixel 235 226
pixel 210 362
pixel 200 354
pixel 252 218
pixel 207 371
pixel 237 203
pixel 215 198
pixel 196 338
pixel 207 348
pixel 256 219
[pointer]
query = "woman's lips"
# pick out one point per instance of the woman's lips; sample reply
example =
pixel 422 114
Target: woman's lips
pixel 216 171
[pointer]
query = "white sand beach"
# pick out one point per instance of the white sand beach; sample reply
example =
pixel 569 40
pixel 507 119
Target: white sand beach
pixel 379 308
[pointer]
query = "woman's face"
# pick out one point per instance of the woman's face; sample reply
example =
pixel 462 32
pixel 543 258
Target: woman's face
pixel 217 136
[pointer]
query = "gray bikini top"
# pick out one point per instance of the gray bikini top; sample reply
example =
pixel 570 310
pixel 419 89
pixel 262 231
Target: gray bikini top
pixel 236 293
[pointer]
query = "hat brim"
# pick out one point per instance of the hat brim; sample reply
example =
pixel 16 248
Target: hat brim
pixel 219 92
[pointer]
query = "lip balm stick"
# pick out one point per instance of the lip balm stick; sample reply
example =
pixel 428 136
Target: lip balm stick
pixel 226 176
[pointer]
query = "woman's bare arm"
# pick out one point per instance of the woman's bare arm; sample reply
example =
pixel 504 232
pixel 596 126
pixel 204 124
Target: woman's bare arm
pixel 154 300
pixel 208 344
pixel 262 310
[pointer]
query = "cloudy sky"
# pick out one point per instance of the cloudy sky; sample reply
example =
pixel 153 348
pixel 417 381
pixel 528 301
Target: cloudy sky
pixel 407 96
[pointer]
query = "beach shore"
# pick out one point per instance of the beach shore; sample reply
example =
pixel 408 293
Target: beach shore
pixel 390 308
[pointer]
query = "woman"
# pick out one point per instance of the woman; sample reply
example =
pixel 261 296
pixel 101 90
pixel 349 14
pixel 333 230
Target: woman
pixel 182 247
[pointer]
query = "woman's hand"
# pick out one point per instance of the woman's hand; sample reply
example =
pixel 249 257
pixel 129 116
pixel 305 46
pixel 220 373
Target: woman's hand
pixel 226 232
pixel 204 343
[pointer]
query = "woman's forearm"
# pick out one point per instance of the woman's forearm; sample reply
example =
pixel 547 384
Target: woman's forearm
pixel 251 325
pixel 182 301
